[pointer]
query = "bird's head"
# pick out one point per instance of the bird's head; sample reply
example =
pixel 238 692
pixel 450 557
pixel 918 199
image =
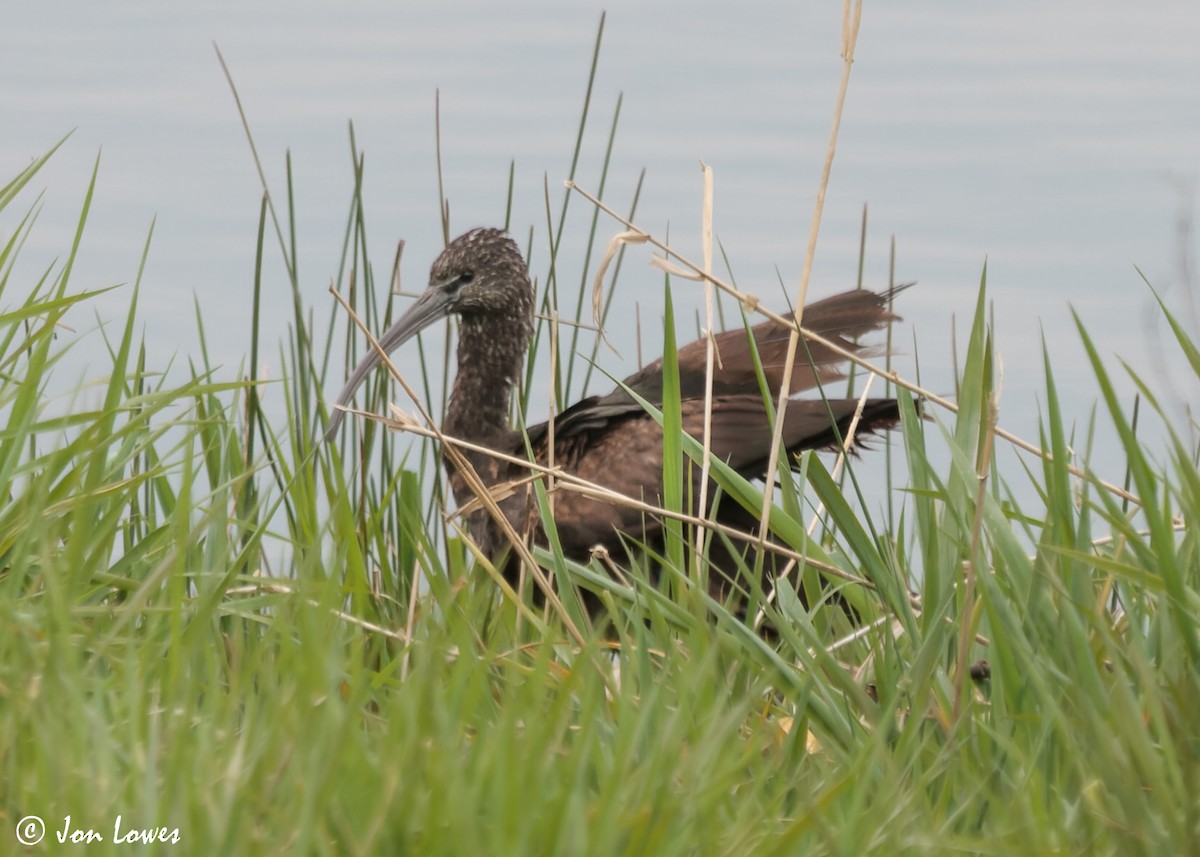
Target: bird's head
pixel 480 274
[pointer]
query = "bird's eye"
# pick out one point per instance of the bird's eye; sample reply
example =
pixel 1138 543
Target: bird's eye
pixel 466 277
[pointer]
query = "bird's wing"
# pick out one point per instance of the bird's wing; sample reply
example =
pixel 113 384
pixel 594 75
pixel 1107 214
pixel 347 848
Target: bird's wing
pixel 840 318
pixel 626 455
pixel 741 431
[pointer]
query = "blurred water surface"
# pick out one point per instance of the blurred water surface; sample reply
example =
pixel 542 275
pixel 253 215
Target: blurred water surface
pixel 1060 145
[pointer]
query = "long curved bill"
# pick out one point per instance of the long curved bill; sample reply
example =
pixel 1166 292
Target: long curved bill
pixel 433 304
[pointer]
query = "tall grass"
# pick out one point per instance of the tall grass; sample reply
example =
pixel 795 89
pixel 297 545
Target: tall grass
pixel 378 694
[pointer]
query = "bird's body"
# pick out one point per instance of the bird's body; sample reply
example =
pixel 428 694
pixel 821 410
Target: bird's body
pixel 611 440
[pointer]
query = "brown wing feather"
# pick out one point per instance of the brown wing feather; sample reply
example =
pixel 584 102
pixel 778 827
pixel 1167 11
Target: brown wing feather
pixel 840 318
pixel 741 431
pixel 627 456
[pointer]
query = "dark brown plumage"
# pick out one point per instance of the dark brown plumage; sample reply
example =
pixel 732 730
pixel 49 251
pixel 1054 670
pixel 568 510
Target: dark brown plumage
pixel 610 440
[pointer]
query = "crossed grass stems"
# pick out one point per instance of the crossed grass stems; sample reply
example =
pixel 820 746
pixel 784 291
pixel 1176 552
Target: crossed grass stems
pixel 557 479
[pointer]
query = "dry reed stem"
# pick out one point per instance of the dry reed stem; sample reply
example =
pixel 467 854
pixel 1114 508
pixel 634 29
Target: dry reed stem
pixel 850 23
pixel 410 620
pixel 706 245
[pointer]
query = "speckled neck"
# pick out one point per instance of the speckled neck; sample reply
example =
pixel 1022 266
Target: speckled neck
pixel 491 355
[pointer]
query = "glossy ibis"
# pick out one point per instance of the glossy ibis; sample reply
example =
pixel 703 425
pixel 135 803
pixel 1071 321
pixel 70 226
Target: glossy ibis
pixel 610 440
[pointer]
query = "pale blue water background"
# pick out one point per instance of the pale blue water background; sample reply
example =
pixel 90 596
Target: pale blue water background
pixel 1061 145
